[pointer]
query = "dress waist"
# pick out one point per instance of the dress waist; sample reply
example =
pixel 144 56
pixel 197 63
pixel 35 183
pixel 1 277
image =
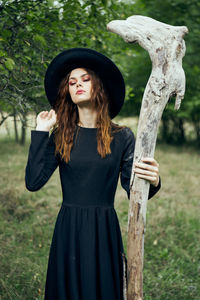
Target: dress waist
pixel 88 205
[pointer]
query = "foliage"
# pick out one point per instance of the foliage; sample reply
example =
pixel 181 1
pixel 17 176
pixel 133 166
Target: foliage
pixel 35 31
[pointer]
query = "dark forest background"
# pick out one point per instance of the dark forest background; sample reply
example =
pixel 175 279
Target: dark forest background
pixel 34 32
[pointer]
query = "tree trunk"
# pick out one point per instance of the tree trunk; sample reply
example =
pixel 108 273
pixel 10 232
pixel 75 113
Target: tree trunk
pixel 166 48
pixel 165 129
pixel 197 129
pixel 182 131
pixel 15 125
pixel 23 128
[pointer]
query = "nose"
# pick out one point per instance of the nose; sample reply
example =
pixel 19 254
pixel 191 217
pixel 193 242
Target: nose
pixel 78 83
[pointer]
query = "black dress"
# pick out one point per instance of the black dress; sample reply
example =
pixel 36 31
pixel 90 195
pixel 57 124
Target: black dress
pixel 86 258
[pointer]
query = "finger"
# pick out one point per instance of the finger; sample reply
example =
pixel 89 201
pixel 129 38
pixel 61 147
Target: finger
pixel 42 114
pixel 149 178
pixel 150 160
pixel 142 171
pixel 54 113
pixel 45 114
pixel 146 166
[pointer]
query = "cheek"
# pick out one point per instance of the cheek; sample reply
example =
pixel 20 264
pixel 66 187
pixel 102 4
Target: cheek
pixel 71 90
pixel 89 87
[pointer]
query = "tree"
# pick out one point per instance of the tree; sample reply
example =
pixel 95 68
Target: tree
pixel 174 12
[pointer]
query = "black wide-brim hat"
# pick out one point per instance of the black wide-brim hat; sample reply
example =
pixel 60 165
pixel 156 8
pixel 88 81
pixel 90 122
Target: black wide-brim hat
pixel 74 58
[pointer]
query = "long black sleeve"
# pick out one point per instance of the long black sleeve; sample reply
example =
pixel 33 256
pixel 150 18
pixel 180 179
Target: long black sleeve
pixel 42 161
pixel 126 165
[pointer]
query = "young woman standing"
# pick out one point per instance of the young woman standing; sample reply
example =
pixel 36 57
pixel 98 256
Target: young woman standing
pixel 86 90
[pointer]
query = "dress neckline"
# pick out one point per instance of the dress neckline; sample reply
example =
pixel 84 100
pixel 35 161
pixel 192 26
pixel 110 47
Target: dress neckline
pixel 90 128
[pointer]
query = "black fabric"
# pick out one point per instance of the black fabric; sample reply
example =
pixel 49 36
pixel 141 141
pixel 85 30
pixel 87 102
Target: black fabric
pixel 74 58
pixel 86 253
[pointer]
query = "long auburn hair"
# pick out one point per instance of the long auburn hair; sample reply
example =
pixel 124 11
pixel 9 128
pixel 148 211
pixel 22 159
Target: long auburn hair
pixel 68 116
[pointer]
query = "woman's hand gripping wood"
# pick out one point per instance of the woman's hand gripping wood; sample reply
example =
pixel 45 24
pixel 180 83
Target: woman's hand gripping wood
pixel 148 169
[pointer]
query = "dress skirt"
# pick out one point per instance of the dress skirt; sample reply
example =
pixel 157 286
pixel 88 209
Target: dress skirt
pixel 86 259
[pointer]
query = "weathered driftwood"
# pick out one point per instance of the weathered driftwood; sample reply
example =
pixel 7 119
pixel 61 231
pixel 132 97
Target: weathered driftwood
pixel 166 48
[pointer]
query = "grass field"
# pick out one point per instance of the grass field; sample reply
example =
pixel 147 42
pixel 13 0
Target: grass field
pixel 172 240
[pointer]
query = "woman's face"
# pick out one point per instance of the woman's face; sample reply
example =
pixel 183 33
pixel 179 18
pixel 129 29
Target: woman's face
pixel 80 85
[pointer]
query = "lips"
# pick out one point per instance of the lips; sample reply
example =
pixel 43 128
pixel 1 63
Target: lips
pixel 80 91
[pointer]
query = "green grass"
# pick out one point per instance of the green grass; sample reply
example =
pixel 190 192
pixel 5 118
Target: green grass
pixel 172 239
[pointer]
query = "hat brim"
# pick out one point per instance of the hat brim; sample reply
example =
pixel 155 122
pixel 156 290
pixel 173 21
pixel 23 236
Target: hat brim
pixel 74 58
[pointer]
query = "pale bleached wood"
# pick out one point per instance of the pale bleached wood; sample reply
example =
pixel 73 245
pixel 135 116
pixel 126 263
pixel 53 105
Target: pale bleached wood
pixel 166 48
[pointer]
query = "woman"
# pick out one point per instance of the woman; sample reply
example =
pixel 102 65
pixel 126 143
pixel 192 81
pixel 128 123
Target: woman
pixel 86 258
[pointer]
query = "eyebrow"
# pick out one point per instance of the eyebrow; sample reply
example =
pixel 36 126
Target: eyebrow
pixel 81 76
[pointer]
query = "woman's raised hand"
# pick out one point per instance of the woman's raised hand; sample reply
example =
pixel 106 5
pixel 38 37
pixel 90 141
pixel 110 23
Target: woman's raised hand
pixel 45 120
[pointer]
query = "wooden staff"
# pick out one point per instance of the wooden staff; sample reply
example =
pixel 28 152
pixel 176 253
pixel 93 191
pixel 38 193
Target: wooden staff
pixel 166 48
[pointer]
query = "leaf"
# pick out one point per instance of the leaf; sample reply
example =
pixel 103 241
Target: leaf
pixel 40 39
pixel 27 57
pixel 1 67
pixel 28 28
pixel 6 33
pixel 51 2
pixel 2 53
pixel 9 64
pixel 27 43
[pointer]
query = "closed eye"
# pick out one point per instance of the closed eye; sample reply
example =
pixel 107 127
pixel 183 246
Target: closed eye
pixel 71 83
pixel 86 78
